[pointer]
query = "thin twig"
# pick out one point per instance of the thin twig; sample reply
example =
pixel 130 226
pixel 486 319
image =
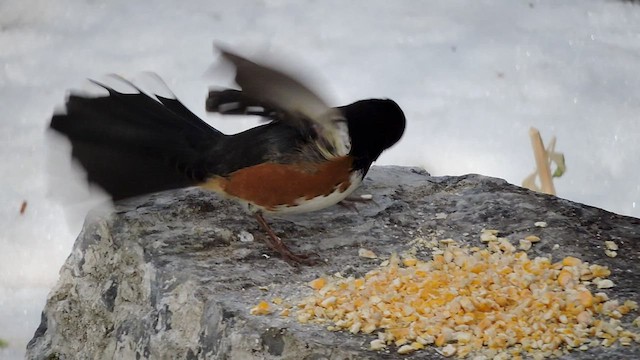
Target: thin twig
pixel 542 162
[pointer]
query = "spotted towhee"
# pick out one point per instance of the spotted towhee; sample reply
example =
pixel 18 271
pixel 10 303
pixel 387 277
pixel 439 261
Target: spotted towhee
pixel 309 156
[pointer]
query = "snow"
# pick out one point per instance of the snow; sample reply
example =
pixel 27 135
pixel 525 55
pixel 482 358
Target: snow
pixel 472 78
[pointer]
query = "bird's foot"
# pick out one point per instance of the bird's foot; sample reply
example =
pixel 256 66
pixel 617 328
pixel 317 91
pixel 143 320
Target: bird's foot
pixel 276 244
pixel 350 202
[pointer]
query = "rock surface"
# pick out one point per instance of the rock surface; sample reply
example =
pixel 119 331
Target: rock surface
pixel 173 275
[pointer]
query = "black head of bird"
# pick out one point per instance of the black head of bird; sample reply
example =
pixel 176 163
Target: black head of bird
pixel 374 126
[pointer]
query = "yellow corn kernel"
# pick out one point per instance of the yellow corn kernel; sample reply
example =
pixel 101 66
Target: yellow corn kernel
pixel 564 277
pixel 532 238
pixel 607 342
pixel 425 339
pixel 399 333
pixel 481 304
pixel 632 305
pixel 611 245
pixel 448 350
pixel 277 301
pixel 369 328
pixel 262 308
pixel 318 283
pixel 584 318
pixel 605 284
pixel 355 328
pixel 328 301
pixel 366 253
pixel 303 317
pixel 377 344
pixel 586 298
pixel 410 262
pixel 571 261
pixel 599 271
pixel 400 342
pixel 406 349
pixel 501 300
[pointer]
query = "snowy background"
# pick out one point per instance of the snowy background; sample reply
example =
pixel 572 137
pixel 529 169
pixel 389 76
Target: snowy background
pixel 472 77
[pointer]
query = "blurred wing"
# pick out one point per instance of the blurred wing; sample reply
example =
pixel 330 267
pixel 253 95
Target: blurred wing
pixel 281 97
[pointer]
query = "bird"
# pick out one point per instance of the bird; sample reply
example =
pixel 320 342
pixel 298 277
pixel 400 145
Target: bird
pixel 306 155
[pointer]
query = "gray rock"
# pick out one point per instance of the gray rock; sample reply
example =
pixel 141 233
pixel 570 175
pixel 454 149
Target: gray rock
pixel 173 275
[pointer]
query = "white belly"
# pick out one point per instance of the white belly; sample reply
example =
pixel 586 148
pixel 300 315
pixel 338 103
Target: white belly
pixel 320 202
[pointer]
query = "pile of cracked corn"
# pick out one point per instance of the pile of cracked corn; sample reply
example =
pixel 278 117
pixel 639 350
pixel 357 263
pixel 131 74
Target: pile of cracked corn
pixel 492 302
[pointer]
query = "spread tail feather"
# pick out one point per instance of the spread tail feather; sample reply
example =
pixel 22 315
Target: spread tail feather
pixel 132 144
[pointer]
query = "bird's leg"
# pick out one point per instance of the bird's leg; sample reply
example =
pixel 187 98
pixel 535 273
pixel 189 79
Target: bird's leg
pixel 349 205
pixel 276 244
